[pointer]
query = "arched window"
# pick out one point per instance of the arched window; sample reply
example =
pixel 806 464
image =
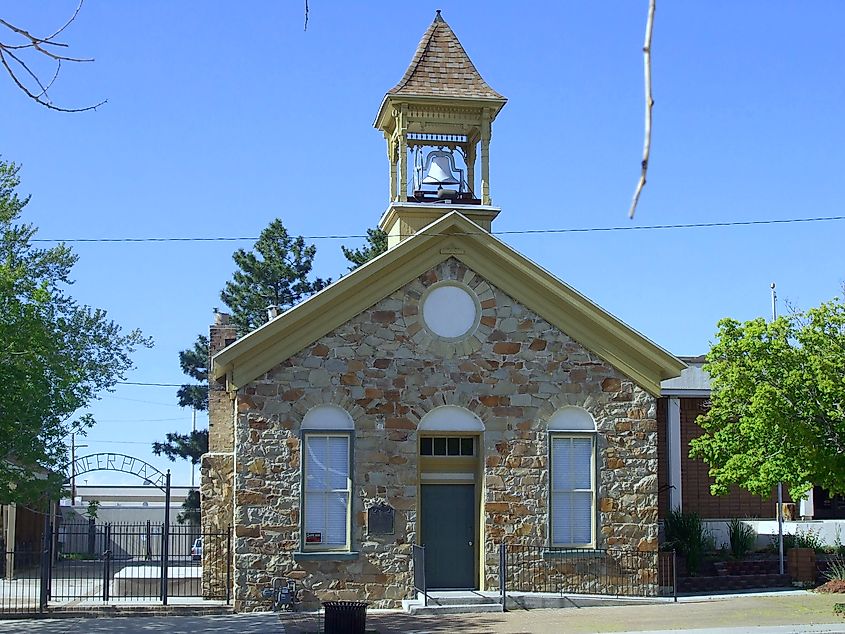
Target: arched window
pixel 450 418
pixel 326 474
pixel 572 448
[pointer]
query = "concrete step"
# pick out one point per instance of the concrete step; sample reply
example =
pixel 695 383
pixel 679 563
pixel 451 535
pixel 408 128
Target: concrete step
pixel 460 597
pixel 454 602
pixel 418 608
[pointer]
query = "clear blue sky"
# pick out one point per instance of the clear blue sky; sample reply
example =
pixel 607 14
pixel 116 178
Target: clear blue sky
pixel 222 116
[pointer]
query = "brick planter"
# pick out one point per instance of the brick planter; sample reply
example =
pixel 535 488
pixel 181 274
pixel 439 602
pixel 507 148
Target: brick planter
pixel 801 563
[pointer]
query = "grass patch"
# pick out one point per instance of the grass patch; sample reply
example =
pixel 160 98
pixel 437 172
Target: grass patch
pixel 78 556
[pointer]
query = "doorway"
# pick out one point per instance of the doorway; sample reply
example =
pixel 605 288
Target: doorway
pixel 448 533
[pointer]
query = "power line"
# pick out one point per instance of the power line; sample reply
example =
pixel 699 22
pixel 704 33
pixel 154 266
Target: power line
pixel 142 420
pixel 119 442
pixel 136 400
pixel 694 225
pixel 150 384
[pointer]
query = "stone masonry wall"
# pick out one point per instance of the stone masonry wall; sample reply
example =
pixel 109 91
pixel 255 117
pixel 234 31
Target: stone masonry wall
pixel 217 467
pixel 387 370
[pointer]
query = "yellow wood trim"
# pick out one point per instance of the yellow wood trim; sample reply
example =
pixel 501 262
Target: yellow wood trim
pixel 262 349
pixel 321 319
pixel 594 328
pixel 384 118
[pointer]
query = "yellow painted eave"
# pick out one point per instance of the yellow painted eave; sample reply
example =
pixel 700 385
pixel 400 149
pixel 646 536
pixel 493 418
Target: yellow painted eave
pixel 453 235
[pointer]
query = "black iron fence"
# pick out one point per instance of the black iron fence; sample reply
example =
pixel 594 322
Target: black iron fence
pixel 620 573
pixel 86 565
pixel 20 581
pixel 418 557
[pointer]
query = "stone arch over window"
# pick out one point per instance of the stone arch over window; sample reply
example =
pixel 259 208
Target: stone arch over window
pixel 327 417
pixel 571 418
pixel 451 418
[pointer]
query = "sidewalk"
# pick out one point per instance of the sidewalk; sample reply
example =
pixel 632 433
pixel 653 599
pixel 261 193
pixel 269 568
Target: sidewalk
pixel 770 613
pixel 744 612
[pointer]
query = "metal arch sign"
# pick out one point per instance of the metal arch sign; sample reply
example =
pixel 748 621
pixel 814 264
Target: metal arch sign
pixel 116 462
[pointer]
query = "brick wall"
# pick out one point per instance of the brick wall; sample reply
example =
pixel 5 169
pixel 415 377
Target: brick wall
pixel 662 459
pixel 695 481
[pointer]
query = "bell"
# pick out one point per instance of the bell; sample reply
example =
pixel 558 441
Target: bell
pixel 440 170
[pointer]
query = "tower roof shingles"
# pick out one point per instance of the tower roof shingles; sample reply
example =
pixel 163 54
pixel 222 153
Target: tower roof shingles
pixel 441 68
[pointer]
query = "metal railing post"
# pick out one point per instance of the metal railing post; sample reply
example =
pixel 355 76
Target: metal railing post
pixel 503 574
pixel 674 576
pixel 106 562
pixel 425 581
pixel 165 543
pixel 228 565
pixel 45 561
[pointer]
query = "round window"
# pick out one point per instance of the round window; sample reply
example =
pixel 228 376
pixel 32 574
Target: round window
pixel 450 311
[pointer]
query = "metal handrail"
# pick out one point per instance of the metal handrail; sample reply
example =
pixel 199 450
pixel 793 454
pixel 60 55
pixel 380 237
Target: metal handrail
pixel 418 558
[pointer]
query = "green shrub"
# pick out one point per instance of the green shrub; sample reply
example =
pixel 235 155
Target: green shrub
pixel 837 548
pixel 686 535
pixel 836 568
pixel 839 608
pixel 801 539
pixel 742 538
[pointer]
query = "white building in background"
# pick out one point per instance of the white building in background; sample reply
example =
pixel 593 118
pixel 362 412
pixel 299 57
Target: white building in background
pixel 123 504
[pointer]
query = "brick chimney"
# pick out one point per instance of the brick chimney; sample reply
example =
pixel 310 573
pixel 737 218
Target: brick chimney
pixel 221 429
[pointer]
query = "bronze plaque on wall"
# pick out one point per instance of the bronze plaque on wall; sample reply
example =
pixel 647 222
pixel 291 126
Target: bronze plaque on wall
pixel 380 520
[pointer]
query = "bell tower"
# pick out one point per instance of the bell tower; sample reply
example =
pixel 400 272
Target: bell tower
pixel 434 121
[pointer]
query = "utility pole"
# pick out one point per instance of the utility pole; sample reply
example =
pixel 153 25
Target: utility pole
pixel 193 432
pixel 73 447
pixel 780 484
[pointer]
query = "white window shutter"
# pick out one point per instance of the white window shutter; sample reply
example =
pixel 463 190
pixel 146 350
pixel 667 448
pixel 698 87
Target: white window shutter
pixel 327 488
pixel 572 490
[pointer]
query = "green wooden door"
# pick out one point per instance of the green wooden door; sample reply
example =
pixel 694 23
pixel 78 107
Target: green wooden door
pixel 448 534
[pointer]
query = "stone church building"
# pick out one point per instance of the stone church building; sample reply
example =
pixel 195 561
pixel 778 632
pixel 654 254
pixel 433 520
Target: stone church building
pixel 449 392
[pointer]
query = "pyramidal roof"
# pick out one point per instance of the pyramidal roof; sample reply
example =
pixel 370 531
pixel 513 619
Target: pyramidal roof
pixel 442 68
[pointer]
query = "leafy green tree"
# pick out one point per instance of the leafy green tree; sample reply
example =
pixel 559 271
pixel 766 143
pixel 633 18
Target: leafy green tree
pixel 376 245
pixel 56 355
pixel 194 363
pixel 778 403
pixel 190 446
pixel 93 509
pixel 275 273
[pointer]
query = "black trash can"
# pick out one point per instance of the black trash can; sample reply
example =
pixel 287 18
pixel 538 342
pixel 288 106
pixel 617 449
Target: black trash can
pixel 345 617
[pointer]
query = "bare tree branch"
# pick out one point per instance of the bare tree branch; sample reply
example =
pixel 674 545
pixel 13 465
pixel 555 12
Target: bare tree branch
pixel 68 23
pixel 22 73
pixel 649 104
pixel 306 15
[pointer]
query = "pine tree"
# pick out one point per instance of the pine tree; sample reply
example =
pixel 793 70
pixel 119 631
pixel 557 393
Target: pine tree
pixel 376 245
pixel 274 273
pixel 194 363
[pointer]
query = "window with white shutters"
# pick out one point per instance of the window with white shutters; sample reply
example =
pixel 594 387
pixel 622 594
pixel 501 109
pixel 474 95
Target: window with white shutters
pixel 327 488
pixel 572 481
pixel 572 490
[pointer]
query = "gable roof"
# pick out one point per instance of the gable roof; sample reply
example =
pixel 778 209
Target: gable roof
pixel 442 68
pixel 453 235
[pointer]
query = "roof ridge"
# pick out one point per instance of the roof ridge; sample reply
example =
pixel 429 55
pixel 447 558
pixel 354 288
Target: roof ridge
pixel 419 53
